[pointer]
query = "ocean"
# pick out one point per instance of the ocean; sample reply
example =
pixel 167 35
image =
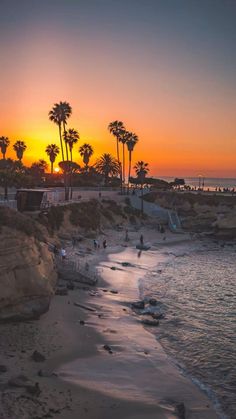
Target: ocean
pixel 196 291
pixel 209 183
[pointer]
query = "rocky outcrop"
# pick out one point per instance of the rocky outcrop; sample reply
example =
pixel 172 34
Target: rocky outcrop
pixel 27 275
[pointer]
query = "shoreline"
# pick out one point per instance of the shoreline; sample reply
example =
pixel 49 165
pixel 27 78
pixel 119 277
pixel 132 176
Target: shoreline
pixel 63 340
pixel 210 412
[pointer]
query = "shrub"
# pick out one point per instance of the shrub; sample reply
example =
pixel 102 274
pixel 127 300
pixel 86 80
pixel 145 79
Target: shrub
pixel 86 214
pixel 20 222
pixel 53 218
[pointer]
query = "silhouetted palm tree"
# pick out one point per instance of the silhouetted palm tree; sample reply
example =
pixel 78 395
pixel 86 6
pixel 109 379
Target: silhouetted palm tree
pixel 132 140
pixel 59 114
pixel 115 128
pixel 107 165
pixel 71 137
pixel 11 174
pixel 19 148
pixel 141 169
pixel 4 143
pixel 52 151
pixel 86 151
pixel 123 137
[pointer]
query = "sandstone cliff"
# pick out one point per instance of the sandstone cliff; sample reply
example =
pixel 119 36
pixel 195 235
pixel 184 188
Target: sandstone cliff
pixel 215 214
pixel 27 275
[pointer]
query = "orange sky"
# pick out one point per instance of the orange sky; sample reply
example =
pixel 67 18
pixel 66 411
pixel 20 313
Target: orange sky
pixel 176 99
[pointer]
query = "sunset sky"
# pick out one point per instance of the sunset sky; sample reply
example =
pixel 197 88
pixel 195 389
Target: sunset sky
pixel 166 68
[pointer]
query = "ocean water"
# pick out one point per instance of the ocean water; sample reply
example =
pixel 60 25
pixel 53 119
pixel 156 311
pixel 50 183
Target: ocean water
pixel 196 290
pixel 210 183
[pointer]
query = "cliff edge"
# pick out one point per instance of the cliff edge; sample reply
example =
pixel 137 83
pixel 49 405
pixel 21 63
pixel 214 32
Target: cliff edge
pixel 27 272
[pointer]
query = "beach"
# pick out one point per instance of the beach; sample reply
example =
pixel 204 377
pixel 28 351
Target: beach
pixel 79 376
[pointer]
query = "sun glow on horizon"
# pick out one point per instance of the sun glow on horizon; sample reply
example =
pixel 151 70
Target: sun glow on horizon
pixel 165 74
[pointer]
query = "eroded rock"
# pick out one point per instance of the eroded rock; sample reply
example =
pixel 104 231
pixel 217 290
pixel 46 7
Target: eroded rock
pixel 37 356
pixel 139 305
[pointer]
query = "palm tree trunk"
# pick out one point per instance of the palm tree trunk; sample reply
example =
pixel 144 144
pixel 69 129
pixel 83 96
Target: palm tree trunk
pixel 62 151
pixel 117 150
pixel 142 198
pixel 130 153
pixel 71 191
pixel 118 159
pixel 123 163
pixel 67 155
pixel 4 156
pixel 67 193
pixel 51 167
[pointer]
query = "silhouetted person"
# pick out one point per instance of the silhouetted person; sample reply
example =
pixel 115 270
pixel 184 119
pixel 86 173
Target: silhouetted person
pixel 104 244
pixel 141 240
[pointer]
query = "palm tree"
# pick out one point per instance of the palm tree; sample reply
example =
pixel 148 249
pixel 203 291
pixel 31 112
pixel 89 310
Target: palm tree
pixel 124 135
pixel 59 114
pixel 141 169
pixel 71 137
pixel 52 151
pixel 4 143
pixel 19 148
pixel 107 165
pixel 131 141
pixel 86 151
pixel 11 173
pixel 117 128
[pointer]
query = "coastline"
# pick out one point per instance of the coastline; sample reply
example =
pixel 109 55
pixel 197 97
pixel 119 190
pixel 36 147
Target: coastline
pixel 137 380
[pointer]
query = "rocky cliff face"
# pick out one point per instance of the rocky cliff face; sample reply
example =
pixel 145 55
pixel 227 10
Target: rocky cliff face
pixel 27 276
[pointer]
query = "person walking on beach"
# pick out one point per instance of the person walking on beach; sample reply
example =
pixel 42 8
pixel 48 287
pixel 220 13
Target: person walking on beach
pixel 95 244
pixel 63 253
pixel 104 244
pixel 126 235
pixel 141 240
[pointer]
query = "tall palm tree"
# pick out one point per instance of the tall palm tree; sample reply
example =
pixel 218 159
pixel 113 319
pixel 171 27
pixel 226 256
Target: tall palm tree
pixel 52 151
pixel 132 140
pixel 107 166
pixel 86 151
pixel 71 137
pixel 117 128
pixel 123 138
pixel 4 143
pixel 59 114
pixel 19 148
pixel 141 169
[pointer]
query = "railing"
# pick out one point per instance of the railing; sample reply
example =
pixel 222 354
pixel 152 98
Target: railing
pixel 76 271
pixel 174 222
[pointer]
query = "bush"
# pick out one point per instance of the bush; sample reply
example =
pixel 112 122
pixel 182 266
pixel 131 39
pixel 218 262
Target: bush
pixel 86 215
pixel 20 222
pixel 53 218
pixel 107 214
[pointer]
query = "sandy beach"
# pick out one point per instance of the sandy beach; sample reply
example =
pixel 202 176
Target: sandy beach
pixel 79 377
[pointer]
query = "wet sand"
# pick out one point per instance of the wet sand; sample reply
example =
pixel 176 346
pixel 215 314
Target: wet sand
pixel 137 380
